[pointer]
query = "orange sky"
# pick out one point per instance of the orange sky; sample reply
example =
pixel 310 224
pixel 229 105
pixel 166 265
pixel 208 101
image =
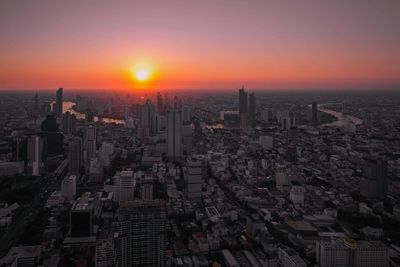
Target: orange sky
pixel 199 44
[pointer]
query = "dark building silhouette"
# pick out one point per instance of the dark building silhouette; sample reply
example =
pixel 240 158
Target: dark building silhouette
pixel 376 178
pixel 314 113
pixel 243 101
pixel 50 131
pixel 59 102
pixel 68 123
pixel 252 109
pixel 75 155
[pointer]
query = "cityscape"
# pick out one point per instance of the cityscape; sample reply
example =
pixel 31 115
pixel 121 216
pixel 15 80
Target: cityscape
pixel 258 164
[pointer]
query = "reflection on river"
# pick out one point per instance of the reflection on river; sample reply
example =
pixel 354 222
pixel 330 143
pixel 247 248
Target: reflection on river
pixel 67 106
pixel 342 119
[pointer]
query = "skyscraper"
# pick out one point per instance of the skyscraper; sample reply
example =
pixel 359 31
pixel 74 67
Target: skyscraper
pixel 75 155
pixel 376 178
pixel 174 134
pixel 35 155
pixel 59 102
pixel 141 227
pixel 252 109
pixel 314 113
pixel 68 187
pixel 148 123
pixel 91 139
pixel 243 101
pixel 69 123
pixel 160 104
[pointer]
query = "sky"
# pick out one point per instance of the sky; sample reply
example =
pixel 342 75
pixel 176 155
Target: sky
pixel 200 44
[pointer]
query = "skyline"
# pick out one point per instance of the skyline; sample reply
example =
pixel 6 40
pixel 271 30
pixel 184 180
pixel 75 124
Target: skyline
pixel 192 45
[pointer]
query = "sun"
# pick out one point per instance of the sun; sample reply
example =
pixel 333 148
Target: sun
pixel 142 74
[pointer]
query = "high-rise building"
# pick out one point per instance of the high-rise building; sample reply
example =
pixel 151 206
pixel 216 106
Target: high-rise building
pixel 141 227
pixel 105 252
pixel 148 123
pixel 186 117
pixel 81 218
pixel 68 187
pixel 35 155
pixel 160 104
pixel 347 252
pixel 69 123
pixel 314 113
pixel 91 140
pixel 59 102
pixel 174 134
pixel 243 108
pixel 75 155
pixel 146 189
pixel 252 109
pixel 123 186
pixel 194 178
pixel 376 178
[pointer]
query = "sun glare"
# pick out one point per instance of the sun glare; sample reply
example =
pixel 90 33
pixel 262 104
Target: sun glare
pixel 142 74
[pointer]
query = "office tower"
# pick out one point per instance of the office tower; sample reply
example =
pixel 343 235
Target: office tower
pixel 148 123
pixel 91 139
pixel 81 219
pixel 54 139
pixel 186 117
pixel 36 102
pixel 35 155
pixel 68 187
pixel 75 155
pixel 123 186
pixel 96 170
pixel 160 104
pixel 59 102
pixel 194 179
pixel 376 178
pixel 141 228
pixel 174 134
pixel 146 189
pixel 252 109
pixel 314 113
pixel 243 108
pixel 69 123
pixel 348 252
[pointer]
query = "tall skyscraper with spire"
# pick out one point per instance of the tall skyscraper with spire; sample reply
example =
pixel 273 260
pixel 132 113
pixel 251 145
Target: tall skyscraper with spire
pixel 59 102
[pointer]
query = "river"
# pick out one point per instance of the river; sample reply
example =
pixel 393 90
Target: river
pixel 341 118
pixel 67 106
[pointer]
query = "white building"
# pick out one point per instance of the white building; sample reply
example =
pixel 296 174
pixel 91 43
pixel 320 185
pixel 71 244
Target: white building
pixel 122 185
pixel 68 187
